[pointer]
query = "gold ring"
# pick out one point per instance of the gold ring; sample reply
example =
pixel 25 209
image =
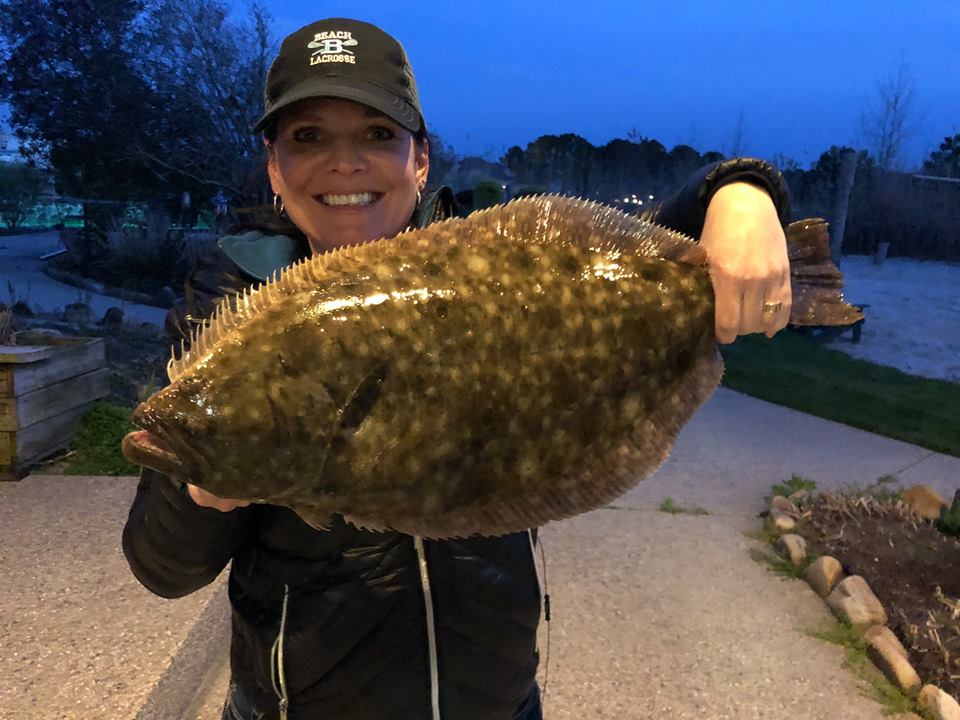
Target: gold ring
pixel 772 308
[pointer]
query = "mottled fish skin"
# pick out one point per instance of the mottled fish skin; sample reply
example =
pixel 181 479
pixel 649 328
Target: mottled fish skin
pixel 477 377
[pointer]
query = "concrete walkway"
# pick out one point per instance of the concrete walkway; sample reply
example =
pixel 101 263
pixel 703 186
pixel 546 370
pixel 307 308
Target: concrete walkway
pixel 654 615
pixel 21 267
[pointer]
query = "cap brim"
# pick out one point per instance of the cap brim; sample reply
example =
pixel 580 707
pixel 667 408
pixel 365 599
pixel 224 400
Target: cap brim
pixel 359 91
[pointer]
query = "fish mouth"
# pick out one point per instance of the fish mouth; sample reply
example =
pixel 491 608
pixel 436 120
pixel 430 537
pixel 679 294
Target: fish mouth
pixel 145 448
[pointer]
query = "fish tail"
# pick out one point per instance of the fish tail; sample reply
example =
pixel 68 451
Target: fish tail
pixel 816 283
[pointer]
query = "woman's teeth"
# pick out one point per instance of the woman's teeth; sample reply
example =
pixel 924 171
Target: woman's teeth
pixel 355 199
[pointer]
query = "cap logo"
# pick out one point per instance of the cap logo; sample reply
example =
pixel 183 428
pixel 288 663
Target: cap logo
pixel 330 46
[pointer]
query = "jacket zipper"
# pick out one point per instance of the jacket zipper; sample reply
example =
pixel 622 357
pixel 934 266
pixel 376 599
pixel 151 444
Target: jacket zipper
pixel 431 632
pixel 276 661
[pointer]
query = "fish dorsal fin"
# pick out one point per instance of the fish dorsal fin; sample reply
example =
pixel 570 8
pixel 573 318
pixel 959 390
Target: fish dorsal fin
pixel 559 218
pixel 236 308
pixel 543 218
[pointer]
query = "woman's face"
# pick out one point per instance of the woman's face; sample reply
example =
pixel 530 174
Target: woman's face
pixel 345 172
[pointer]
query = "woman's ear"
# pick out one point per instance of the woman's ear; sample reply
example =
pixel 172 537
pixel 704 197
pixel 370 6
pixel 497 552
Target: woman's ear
pixel 423 162
pixel 272 166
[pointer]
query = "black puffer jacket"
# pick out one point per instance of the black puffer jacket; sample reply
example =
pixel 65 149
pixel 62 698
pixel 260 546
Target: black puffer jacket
pixel 373 625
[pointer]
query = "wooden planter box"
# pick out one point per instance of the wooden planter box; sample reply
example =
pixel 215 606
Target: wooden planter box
pixel 44 391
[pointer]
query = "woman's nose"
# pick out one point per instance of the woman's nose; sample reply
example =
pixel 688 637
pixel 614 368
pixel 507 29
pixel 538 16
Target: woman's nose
pixel 346 157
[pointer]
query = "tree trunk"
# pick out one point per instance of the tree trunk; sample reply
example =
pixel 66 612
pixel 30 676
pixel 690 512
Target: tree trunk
pixel 93 236
pixel 841 202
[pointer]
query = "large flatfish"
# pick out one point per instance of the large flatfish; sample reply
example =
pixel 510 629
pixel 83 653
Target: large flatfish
pixel 477 377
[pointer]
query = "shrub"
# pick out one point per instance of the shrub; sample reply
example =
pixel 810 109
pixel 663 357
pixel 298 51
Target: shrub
pixel 487 194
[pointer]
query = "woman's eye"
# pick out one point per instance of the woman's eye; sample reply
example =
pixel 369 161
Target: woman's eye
pixel 379 132
pixel 305 134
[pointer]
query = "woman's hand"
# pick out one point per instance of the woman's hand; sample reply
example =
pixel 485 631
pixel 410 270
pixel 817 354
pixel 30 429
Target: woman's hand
pixel 202 497
pixel 747 251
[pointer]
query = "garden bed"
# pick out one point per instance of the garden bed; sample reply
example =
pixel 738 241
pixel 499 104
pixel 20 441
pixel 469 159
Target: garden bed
pixel 912 567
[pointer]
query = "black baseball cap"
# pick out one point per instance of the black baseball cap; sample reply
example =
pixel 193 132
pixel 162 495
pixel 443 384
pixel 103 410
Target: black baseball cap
pixel 348 59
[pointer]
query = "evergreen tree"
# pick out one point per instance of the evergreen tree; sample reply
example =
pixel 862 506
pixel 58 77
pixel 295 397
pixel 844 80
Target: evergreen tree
pixel 946 160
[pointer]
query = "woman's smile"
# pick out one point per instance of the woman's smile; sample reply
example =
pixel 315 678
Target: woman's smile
pixel 349 200
pixel 346 173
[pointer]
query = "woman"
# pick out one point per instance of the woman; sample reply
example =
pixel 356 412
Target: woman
pixel 344 623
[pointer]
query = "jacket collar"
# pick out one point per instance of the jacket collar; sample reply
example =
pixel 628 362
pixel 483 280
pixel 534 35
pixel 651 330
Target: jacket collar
pixel 261 255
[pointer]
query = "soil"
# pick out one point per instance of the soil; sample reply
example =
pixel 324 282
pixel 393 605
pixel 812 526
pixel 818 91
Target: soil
pixel 912 568
pixel 137 360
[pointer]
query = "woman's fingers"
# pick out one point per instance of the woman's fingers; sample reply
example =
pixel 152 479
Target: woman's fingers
pixel 205 499
pixel 729 298
pixel 740 300
pixel 775 322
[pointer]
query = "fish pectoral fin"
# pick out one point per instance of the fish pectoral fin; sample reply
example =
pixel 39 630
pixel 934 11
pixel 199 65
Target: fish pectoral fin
pixel 364 397
pixel 281 423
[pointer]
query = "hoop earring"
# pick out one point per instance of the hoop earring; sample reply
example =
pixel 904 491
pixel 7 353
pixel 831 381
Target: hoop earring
pixel 418 198
pixel 277 204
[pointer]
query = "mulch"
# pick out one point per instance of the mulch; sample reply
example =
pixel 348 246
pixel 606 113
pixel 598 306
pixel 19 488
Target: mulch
pixel 137 360
pixel 912 568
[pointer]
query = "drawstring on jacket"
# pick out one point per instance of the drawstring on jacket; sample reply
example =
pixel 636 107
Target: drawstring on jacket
pixel 431 632
pixel 276 652
pixel 276 655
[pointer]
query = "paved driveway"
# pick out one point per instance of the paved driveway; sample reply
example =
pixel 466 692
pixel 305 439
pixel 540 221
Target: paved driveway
pixel 22 269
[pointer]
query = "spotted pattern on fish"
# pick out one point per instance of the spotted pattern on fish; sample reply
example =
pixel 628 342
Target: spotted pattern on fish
pixel 479 376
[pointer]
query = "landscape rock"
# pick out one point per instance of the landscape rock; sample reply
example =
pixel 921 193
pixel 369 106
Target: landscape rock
pixel 22 309
pixel 113 316
pixel 793 547
pixel 41 332
pixel 924 501
pixel 783 523
pixel 853 601
pixel 823 574
pixel 78 313
pixel 938 703
pixel 95 287
pixel 165 298
pixel 783 506
pixel 888 654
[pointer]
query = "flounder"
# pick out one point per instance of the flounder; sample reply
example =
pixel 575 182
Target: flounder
pixel 479 376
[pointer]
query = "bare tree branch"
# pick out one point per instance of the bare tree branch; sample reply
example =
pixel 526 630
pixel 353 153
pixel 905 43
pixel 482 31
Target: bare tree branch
pixel 886 124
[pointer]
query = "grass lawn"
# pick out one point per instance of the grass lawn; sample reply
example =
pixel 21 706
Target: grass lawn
pixel 793 371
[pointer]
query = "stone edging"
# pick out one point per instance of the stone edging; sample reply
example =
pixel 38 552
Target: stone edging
pixel 852 600
pixel 69 278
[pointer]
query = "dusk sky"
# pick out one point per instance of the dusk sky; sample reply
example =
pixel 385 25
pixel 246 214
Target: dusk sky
pixel 494 74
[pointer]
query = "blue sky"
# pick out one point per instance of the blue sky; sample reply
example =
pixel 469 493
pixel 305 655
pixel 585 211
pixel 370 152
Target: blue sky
pixel 494 74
